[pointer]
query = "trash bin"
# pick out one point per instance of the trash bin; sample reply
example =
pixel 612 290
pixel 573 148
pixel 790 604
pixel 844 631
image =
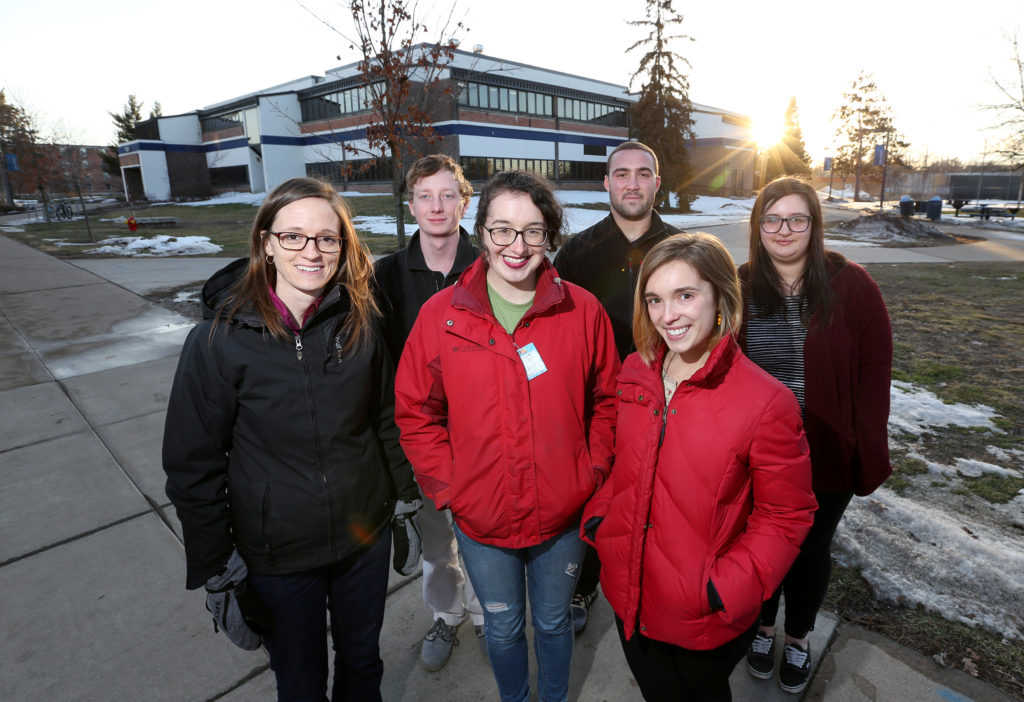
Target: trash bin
pixel 934 209
pixel 906 206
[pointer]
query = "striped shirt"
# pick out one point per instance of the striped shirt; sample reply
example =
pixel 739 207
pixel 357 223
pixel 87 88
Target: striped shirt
pixel 776 343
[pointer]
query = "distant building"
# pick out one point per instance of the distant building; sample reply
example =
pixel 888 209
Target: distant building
pixel 62 168
pixel 500 115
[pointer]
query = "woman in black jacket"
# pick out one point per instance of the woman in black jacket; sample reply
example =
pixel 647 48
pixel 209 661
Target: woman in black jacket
pixel 280 443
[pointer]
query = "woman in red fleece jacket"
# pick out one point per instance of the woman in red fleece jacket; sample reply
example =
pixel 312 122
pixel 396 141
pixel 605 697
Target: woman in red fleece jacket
pixel 505 399
pixel 710 495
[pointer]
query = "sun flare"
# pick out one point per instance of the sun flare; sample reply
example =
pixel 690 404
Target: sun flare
pixel 767 131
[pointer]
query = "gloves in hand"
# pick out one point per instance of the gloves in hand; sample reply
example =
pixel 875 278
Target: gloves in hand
pixel 405 532
pixel 236 609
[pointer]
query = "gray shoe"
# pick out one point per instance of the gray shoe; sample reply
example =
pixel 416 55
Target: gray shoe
pixel 481 640
pixel 437 646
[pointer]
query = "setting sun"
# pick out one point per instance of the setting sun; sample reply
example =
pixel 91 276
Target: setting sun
pixel 767 130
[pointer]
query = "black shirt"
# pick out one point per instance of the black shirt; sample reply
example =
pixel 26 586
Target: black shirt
pixel 403 282
pixel 603 261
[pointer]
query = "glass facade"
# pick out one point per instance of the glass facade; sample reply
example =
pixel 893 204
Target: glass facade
pixel 341 102
pixel 483 167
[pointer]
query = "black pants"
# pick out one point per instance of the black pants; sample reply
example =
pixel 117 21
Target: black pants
pixel 674 674
pixel 806 582
pixel 590 573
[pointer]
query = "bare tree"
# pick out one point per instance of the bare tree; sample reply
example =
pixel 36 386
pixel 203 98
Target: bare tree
pixel 1010 113
pixel 403 75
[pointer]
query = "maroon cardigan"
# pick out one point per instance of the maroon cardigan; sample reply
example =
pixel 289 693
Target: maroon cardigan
pixel 847 373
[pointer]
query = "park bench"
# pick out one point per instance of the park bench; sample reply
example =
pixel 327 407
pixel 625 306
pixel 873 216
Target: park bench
pixel 158 221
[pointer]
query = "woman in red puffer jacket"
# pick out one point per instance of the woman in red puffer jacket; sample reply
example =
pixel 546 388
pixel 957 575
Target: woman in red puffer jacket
pixel 710 496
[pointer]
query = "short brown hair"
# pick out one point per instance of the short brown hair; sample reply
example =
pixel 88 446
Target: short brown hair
pixel 712 261
pixel 540 193
pixel 435 163
pixel 637 146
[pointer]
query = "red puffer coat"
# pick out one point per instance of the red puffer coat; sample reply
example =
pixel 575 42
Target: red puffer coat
pixel 704 513
pixel 514 459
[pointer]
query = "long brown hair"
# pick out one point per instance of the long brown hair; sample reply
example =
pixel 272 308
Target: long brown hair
pixel 712 261
pixel 354 271
pixel 765 286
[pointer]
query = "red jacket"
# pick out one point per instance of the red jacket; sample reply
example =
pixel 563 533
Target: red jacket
pixel 847 373
pixel 514 459
pixel 712 504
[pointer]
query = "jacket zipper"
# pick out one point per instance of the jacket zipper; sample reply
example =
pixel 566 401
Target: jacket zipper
pixel 298 346
pixel 266 520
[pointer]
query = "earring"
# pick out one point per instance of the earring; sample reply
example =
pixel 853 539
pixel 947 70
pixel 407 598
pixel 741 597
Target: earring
pixel 270 259
pixel 718 320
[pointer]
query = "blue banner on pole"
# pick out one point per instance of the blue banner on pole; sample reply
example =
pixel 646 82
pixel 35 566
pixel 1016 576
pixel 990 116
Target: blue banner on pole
pixel 828 164
pixel 12 162
pixel 879 155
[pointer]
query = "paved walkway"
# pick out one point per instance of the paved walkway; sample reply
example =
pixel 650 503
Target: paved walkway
pixel 91 562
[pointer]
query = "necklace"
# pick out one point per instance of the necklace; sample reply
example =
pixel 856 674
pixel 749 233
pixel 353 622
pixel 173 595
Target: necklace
pixel 667 380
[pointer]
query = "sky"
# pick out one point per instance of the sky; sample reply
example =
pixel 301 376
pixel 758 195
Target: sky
pixel 71 63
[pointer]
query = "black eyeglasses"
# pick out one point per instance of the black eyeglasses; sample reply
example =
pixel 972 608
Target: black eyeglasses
pixel 797 223
pixel 506 236
pixel 293 241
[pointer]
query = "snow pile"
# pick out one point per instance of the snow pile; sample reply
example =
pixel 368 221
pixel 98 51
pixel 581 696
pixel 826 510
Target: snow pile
pixel 163 245
pixel 886 227
pixel 226 199
pixel 914 410
pixel 951 564
pixel 914 553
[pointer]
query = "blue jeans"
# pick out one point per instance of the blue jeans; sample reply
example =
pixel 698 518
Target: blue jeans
pixel 551 569
pixel 353 591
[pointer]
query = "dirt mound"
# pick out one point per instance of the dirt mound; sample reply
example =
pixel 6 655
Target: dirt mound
pixel 885 228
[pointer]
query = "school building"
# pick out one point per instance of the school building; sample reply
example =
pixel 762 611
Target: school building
pixel 498 114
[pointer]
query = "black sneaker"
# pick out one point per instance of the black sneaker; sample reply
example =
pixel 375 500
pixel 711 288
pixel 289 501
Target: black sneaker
pixel 579 609
pixel 796 668
pixel 761 657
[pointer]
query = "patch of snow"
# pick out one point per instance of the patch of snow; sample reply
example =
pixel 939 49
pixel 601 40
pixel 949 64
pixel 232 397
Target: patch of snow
pixel 913 554
pixel 227 199
pixel 163 245
pixel 11 229
pixel 914 410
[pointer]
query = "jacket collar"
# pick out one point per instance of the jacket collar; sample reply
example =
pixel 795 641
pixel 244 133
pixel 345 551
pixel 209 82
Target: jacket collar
pixel 464 254
pixel 470 291
pixel 722 358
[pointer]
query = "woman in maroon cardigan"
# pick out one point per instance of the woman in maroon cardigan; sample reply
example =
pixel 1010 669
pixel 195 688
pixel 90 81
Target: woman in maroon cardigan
pixel 817 322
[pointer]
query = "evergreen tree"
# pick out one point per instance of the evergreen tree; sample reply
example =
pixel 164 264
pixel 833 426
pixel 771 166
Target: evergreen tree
pixel 789 156
pixel 125 121
pixel 864 120
pixel 156 111
pixel 124 124
pixel 661 117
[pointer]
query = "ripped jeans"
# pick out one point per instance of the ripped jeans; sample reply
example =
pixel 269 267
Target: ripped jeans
pixel 502 578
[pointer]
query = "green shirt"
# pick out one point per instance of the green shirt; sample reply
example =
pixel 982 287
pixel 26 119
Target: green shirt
pixel 507 313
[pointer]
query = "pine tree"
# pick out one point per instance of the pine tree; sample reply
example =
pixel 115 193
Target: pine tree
pixel 661 117
pixel 789 156
pixel 125 121
pixel 864 120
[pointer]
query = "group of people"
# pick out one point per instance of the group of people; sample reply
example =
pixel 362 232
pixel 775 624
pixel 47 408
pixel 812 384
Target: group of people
pixel 637 413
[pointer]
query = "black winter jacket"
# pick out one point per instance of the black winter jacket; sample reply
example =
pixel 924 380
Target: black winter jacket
pixel 292 457
pixel 403 282
pixel 604 262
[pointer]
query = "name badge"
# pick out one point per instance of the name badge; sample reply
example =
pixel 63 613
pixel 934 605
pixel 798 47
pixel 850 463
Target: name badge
pixel 532 361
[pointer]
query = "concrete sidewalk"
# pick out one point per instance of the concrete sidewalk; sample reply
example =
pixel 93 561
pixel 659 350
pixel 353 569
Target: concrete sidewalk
pixel 91 563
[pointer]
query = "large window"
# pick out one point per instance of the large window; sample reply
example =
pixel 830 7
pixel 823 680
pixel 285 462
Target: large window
pixel 492 97
pixel 341 102
pixel 214 124
pixel 229 177
pixel 592 112
pixel 483 167
pixel 358 170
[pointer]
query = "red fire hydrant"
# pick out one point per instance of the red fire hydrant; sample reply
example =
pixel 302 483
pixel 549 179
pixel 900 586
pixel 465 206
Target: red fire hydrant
pixel 132 224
